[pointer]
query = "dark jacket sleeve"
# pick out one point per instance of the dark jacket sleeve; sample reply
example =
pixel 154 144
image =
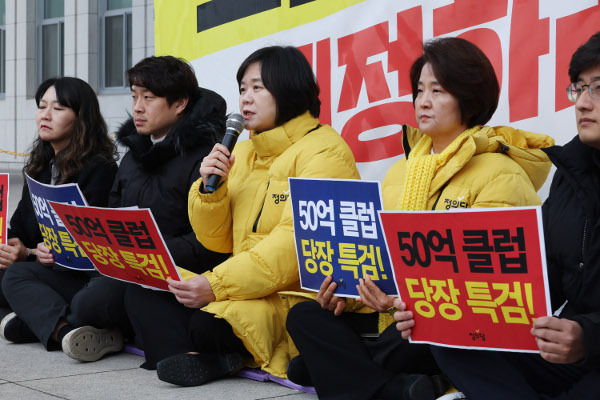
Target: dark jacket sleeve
pixel 591 332
pixel 96 179
pixel 186 250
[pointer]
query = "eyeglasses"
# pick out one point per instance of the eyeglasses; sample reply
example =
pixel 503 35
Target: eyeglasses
pixel 575 90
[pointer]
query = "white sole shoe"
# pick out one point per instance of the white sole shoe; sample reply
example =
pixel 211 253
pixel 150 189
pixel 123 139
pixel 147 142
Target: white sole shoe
pixel 6 320
pixel 90 344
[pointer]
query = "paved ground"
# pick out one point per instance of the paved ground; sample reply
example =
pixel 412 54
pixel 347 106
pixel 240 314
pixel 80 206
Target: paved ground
pixel 28 371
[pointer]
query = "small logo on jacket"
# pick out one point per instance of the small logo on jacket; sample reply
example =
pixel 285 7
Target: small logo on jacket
pixel 280 197
pixel 456 203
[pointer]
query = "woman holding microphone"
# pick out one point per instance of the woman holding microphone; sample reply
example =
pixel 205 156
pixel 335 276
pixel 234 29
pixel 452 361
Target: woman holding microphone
pixel 238 317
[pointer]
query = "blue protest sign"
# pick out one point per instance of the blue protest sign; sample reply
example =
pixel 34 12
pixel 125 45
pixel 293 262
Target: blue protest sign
pixel 337 233
pixel 56 237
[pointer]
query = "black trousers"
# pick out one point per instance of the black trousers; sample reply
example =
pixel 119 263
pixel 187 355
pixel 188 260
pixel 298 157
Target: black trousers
pixel 4 307
pixel 100 303
pixel 341 364
pixel 41 296
pixel 492 375
pixel 164 327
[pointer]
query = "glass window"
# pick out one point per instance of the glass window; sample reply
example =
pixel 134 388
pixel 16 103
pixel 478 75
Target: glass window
pixel 2 12
pixel 54 9
pixel 118 4
pixel 116 43
pixel 51 38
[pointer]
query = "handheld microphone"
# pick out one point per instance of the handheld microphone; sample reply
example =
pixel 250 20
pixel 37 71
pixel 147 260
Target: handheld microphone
pixel 234 126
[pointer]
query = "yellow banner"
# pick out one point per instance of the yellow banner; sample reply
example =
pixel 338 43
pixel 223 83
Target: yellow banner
pixel 194 28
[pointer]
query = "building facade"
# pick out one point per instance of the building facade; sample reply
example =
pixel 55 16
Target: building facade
pixel 95 40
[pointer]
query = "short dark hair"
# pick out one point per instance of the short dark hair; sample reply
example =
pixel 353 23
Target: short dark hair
pixel 586 56
pixel 288 76
pixel 166 76
pixel 465 72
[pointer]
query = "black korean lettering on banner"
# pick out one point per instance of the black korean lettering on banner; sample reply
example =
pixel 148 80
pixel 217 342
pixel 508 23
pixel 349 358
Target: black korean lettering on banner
pixel 1 198
pixel 478 240
pixel 520 261
pixel 219 12
pixel 420 237
pixel 296 3
pixel 75 224
pixel 503 240
pixel 442 242
pixel 117 229
pixel 405 246
pixel 479 251
pixel 480 263
pixel 419 244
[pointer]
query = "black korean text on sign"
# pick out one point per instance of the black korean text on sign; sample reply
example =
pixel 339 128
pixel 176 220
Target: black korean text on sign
pixel 125 231
pixel 420 246
pixel 481 252
pixel 88 227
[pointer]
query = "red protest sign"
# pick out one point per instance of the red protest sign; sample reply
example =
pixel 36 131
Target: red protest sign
pixel 473 278
pixel 3 207
pixel 124 244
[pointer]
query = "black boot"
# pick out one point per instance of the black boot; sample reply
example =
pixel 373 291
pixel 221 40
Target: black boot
pixel 197 369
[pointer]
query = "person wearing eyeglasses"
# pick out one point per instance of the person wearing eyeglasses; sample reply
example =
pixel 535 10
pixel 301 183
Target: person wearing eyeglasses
pixel 568 364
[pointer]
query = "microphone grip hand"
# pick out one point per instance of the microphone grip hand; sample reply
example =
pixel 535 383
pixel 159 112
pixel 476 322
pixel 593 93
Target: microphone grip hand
pixel 215 167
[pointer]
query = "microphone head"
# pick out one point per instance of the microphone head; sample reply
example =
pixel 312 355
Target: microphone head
pixel 235 122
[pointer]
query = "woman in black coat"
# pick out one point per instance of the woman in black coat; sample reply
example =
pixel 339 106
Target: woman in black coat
pixel 72 146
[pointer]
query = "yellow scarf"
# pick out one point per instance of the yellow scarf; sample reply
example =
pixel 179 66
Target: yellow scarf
pixel 421 167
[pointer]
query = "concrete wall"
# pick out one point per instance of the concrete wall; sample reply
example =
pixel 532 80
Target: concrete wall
pixel 81 59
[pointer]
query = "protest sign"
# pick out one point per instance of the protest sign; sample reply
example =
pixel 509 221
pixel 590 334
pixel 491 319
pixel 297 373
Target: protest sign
pixel 124 244
pixel 472 278
pixel 337 233
pixel 4 179
pixel 65 250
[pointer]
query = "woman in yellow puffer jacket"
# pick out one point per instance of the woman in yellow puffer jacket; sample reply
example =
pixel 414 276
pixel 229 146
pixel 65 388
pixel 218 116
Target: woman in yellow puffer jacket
pixel 450 161
pixel 242 317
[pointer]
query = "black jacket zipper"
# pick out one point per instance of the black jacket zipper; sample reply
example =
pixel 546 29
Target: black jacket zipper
pixel 261 209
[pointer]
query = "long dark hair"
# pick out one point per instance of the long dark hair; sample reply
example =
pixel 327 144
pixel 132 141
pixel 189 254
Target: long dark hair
pixel 89 136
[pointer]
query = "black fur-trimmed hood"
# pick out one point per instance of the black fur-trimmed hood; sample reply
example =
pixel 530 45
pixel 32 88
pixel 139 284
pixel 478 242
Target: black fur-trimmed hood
pixel 203 125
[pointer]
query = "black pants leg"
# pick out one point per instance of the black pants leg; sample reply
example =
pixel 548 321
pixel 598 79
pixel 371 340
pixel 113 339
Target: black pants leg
pixel 160 323
pixel 4 307
pixel 492 375
pixel 41 296
pixel 100 303
pixel 214 335
pixel 344 366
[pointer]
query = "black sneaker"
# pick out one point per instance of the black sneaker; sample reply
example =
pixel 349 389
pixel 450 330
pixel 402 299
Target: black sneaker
pixel 408 387
pixel 197 369
pixel 13 329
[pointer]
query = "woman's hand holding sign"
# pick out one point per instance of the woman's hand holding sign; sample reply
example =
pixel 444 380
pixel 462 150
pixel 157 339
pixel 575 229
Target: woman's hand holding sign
pixel 404 318
pixel 326 298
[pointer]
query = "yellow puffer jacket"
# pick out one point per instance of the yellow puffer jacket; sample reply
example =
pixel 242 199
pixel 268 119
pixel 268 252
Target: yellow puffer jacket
pixel 250 215
pixel 495 167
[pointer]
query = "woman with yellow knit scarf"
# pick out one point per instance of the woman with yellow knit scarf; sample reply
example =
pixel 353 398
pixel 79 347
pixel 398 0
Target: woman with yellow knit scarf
pixel 452 160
